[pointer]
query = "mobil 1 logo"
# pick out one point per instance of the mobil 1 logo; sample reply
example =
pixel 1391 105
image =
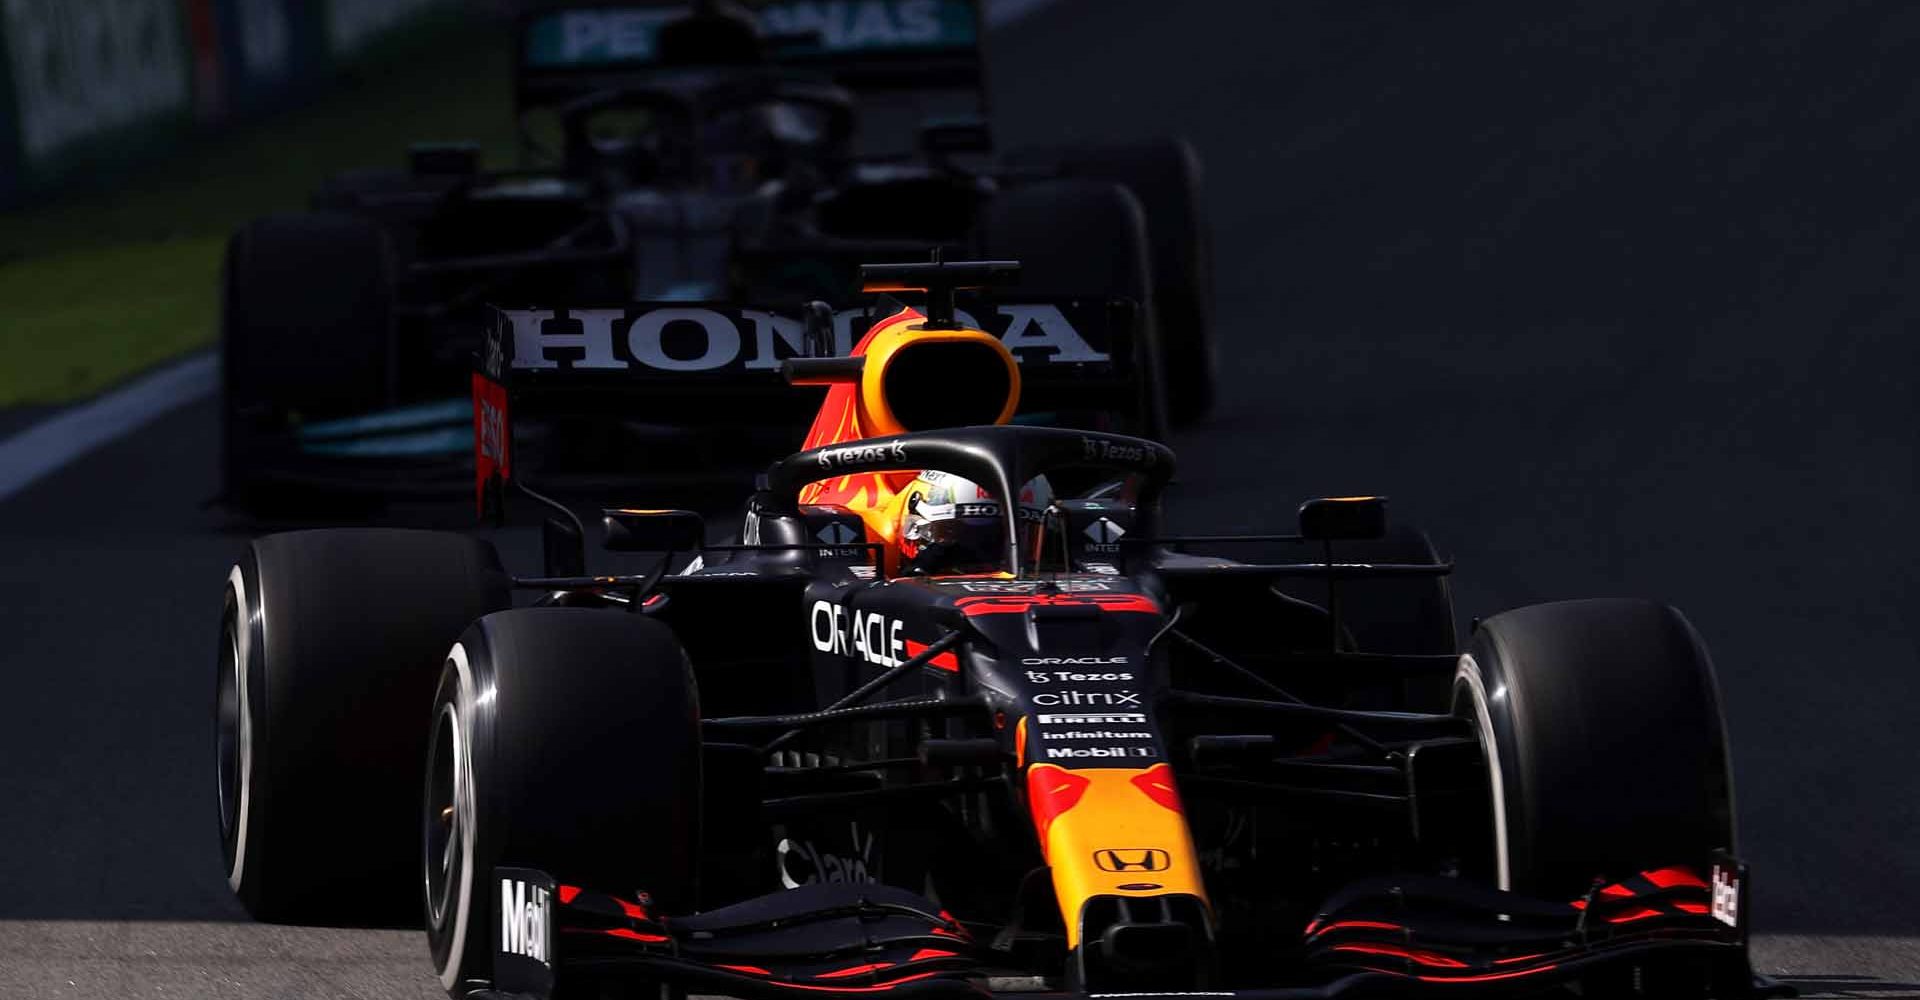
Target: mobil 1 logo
pixel 1112 753
pixel 523 931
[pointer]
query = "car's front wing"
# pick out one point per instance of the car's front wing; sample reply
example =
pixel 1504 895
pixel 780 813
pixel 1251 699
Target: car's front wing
pixel 1386 936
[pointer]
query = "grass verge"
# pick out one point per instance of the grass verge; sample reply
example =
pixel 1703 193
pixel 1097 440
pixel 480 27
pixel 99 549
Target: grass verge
pixel 84 319
pixel 100 286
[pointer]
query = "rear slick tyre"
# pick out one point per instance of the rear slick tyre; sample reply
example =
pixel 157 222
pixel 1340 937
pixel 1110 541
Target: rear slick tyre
pixel 330 646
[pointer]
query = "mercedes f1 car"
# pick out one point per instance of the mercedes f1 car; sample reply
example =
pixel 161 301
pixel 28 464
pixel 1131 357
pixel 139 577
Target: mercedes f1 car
pixel 953 714
pixel 697 155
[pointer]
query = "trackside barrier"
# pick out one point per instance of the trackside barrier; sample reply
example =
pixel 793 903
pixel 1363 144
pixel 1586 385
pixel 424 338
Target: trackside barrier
pixel 88 84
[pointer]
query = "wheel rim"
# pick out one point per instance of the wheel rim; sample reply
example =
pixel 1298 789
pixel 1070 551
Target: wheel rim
pixel 227 736
pixel 449 815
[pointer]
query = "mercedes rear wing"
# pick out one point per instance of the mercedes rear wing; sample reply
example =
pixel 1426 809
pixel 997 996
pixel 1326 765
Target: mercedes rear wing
pixel 568 50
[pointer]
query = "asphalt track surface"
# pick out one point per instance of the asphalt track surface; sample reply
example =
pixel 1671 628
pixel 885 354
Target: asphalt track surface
pixel 1613 302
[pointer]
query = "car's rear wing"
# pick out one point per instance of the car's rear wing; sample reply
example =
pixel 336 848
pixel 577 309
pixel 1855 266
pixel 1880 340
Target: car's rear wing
pixel 717 367
pixel 568 50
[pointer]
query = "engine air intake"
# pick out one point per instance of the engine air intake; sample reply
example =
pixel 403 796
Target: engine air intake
pixel 946 383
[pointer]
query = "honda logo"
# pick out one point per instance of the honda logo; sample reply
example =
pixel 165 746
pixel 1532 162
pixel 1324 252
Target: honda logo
pixel 1132 859
pixel 690 338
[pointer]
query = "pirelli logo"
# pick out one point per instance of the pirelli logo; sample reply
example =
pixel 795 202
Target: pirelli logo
pixel 1094 719
pixel 1132 859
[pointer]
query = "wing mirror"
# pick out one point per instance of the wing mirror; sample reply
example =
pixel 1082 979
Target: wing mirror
pixel 817 364
pixel 816 332
pixel 653 530
pixel 1331 519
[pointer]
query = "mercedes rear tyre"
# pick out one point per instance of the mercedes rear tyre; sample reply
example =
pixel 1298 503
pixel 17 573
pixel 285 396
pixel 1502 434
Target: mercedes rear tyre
pixel 306 332
pixel 330 646
pixel 1605 751
pixel 565 740
pixel 1077 238
pixel 1164 176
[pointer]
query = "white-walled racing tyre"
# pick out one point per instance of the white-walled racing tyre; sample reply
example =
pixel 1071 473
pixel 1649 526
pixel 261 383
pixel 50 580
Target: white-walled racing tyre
pixel 565 740
pixel 330 646
pixel 1605 750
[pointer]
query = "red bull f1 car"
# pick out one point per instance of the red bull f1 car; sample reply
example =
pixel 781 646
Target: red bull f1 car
pixel 952 713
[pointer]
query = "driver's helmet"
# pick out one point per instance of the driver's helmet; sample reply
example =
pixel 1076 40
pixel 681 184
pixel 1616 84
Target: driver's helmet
pixel 744 147
pixel 950 525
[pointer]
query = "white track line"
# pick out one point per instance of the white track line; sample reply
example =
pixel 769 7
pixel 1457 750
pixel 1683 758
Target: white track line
pixel 43 448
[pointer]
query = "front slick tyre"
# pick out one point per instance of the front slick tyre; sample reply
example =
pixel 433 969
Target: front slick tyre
pixel 565 740
pixel 1606 755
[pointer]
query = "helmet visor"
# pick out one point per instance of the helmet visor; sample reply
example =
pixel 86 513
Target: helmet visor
pixel 972 540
